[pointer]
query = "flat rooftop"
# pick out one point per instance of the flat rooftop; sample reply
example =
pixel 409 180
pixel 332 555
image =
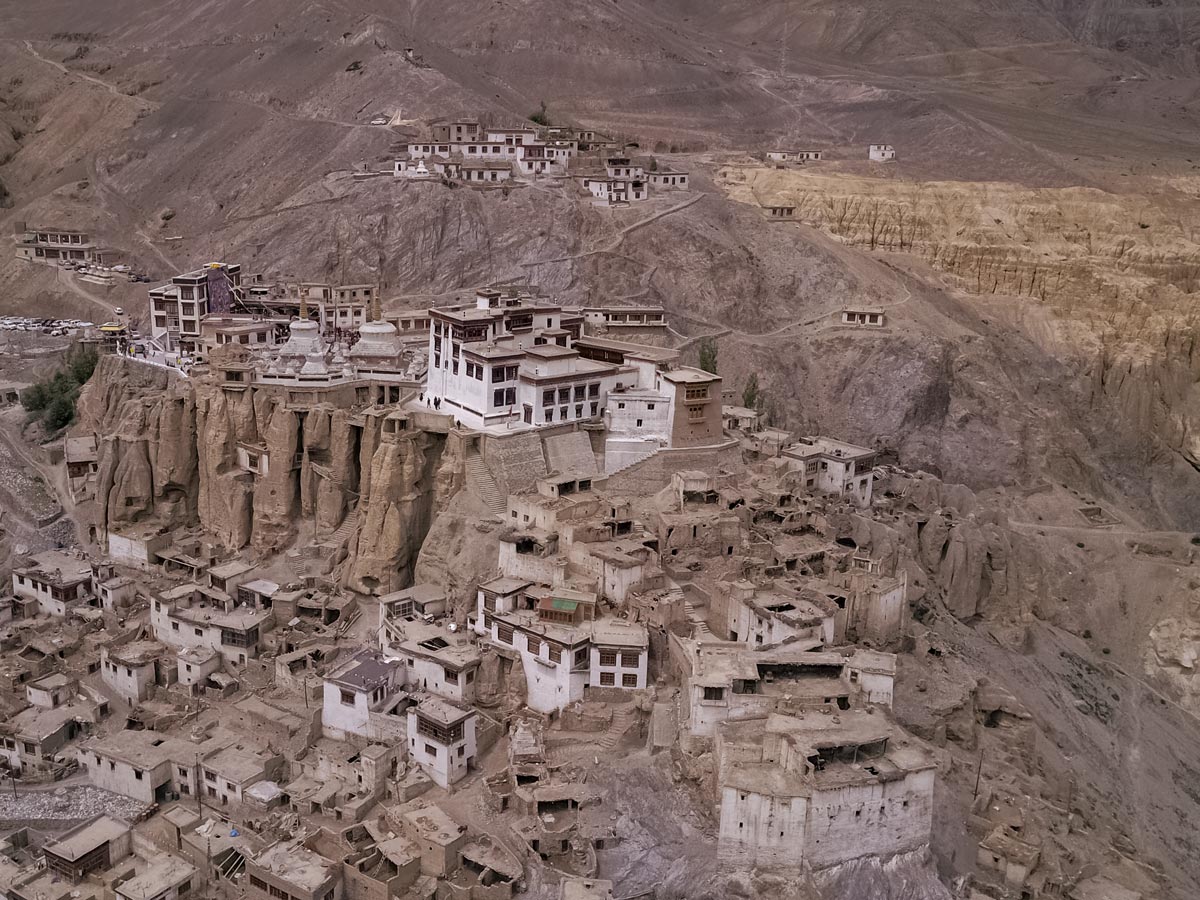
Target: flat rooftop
pixel 365 671
pixel 297 865
pixel 85 838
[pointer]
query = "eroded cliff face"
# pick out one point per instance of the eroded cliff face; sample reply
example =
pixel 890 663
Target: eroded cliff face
pixel 148 466
pixel 176 452
pixel 396 512
pixel 1098 285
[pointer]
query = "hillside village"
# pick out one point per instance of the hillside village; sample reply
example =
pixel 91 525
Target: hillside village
pixel 280 677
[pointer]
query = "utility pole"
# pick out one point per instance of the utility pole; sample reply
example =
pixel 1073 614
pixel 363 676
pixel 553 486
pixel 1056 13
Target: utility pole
pixel 199 788
pixel 978 774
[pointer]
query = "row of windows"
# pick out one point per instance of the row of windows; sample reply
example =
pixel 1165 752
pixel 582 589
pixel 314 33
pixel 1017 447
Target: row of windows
pixel 564 412
pixel 629 659
pixel 582 391
pixel 608 679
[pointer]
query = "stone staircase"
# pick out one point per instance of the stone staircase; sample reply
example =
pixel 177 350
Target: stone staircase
pixel 633 462
pixel 697 619
pixel 620 723
pixel 346 530
pixel 485 484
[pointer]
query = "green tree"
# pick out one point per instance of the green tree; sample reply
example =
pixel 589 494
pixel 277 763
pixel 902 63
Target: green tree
pixel 750 396
pixel 59 414
pixel 35 397
pixel 540 117
pixel 81 363
pixel 708 355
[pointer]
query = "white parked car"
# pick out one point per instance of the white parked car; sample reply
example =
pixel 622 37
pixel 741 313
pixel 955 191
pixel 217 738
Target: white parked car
pixel 119 311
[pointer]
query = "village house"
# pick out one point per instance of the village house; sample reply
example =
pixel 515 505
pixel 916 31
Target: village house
pixel 56 246
pixel 881 152
pixel 37 737
pixel 830 466
pixel 667 179
pixel 456 130
pixel 780 210
pixel 625 319
pixel 57 582
pixel 696 516
pixel 441 739
pixel 166 878
pixel 786 156
pixel 359 697
pixel 870 317
pixel 432 657
pixel 92 846
pixel 134 669
pixel 728 681
pixel 820 790
pixel 741 418
pixel 195 616
pixel 81 458
pixel 291 870
pixel 566 533
pixel 153 767
pixel 765 615
pixel 562 646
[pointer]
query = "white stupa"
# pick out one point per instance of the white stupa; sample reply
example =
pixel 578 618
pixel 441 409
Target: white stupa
pixel 378 341
pixel 304 338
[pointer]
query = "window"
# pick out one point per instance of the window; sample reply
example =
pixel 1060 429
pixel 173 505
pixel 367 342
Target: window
pixel 629 680
pixel 550 415
pixel 581 656
pixel 639 423
pixel 607 679
pixel 649 406
pixel 174 626
pixel 199 632
pixel 580 390
pixel 504 633
pixel 534 644
pixel 593 390
pixel 695 413
pixel 608 657
pixel 595 409
pixel 431 750
pixel 347 698
pixel 555 653
pixel 579 411
pixel 696 393
pixel 547 398
pixel 564 395
pixel 714 693
pixel 630 660
pixel 183 773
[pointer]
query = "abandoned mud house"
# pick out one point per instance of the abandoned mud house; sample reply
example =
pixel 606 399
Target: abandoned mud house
pixel 820 789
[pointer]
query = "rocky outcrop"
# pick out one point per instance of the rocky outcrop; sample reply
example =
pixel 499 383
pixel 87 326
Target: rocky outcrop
pixel 1172 654
pixel 395 513
pixel 145 419
pixel 169 455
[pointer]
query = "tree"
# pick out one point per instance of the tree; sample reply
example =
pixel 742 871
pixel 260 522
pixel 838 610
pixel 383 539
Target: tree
pixel 708 355
pixel 35 397
pixel 750 395
pixel 59 414
pixel 540 117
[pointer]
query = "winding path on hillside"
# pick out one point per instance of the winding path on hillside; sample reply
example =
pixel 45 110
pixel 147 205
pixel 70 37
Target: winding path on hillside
pixel 99 82
pixel 616 241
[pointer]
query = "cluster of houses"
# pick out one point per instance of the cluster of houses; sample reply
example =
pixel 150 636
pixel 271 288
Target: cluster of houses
pixel 465 151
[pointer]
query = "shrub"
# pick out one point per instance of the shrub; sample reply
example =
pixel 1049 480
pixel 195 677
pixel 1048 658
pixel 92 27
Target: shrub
pixel 53 400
